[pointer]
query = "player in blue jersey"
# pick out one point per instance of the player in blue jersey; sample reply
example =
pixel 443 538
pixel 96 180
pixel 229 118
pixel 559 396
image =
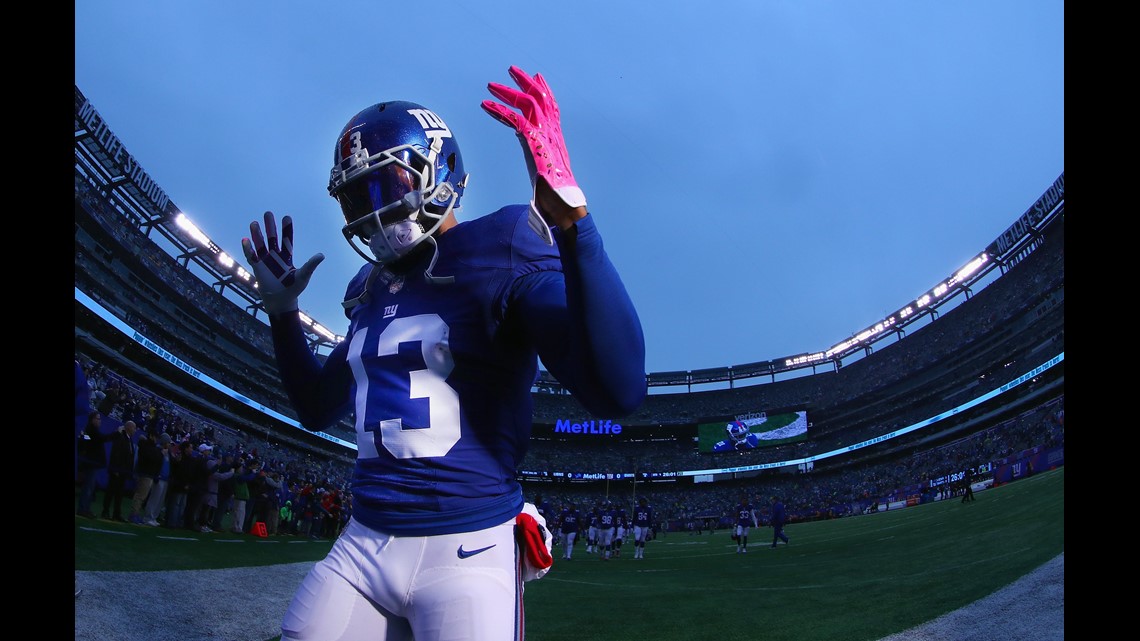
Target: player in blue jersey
pixel 619 513
pixel 745 519
pixel 592 529
pixel 642 520
pixel 446 323
pixel 740 437
pixel 619 536
pixel 620 523
pixel 607 525
pixel 570 523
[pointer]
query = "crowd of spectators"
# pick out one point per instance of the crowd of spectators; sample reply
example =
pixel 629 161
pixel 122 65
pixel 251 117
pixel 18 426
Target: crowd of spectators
pixel 235 472
pixel 214 477
pixel 130 242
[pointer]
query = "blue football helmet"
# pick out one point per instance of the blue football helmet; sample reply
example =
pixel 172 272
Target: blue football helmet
pixel 737 431
pixel 397 174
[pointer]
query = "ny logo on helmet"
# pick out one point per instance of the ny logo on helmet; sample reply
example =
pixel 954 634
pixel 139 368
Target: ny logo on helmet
pixel 434 128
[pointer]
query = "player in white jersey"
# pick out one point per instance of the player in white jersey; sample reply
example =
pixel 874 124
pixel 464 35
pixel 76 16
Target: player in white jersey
pixel 447 322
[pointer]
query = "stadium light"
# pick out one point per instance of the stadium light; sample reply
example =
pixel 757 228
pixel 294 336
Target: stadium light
pixel 971 267
pixel 320 329
pixel 185 224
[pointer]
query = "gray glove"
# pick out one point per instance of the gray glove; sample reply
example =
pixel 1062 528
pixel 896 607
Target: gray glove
pixel 278 281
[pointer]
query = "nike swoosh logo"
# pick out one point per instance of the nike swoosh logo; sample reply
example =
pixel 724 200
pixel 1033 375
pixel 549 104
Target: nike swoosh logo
pixel 463 554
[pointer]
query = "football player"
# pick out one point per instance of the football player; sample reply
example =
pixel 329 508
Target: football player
pixel 745 519
pixel 446 323
pixel 642 519
pixel 620 522
pixel 592 530
pixel 569 528
pixel 619 537
pixel 607 523
pixel 740 437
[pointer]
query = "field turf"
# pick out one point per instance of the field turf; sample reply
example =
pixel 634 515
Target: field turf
pixel 856 578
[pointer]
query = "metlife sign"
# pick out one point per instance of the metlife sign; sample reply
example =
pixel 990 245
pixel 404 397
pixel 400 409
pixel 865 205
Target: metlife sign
pixel 564 426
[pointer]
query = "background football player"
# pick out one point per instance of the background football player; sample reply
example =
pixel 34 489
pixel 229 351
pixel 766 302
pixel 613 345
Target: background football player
pixel 569 524
pixel 607 524
pixel 740 437
pixel 745 519
pixel 592 530
pixel 642 520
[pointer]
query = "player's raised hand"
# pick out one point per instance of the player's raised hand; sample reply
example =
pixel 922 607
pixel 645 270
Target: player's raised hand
pixel 538 126
pixel 279 282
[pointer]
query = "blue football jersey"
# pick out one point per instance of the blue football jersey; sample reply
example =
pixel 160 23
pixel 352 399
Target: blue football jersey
pixel 745 514
pixel 643 516
pixel 750 442
pixel 607 518
pixel 569 521
pixel 439 376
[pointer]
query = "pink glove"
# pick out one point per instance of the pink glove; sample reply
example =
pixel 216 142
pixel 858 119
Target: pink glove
pixel 540 131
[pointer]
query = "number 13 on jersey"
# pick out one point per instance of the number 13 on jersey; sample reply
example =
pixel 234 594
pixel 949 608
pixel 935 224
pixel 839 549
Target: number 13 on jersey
pixel 442 431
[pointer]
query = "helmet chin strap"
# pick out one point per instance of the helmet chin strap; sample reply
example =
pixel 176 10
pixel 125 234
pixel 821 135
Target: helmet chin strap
pixel 392 242
pixel 435 280
pixel 378 268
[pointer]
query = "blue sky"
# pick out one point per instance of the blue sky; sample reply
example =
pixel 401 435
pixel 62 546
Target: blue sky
pixel 769 177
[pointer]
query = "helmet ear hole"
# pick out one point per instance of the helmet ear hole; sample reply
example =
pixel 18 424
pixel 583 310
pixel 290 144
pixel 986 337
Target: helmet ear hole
pixel 451 162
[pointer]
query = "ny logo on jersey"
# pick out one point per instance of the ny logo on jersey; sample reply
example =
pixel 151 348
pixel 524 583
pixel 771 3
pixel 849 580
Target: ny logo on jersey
pixel 434 128
pixel 390 311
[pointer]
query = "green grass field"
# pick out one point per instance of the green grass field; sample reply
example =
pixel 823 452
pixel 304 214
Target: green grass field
pixel 858 578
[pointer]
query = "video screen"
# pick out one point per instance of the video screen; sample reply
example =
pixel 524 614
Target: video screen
pixel 752 431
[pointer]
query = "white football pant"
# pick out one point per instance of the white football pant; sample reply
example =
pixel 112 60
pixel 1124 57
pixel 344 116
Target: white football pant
pixel 381 587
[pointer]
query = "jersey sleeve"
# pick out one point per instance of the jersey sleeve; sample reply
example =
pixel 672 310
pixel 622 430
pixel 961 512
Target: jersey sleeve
pixel 319 392
pixel 584 325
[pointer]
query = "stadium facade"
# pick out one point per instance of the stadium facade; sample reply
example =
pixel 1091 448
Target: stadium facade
pixel 162 304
